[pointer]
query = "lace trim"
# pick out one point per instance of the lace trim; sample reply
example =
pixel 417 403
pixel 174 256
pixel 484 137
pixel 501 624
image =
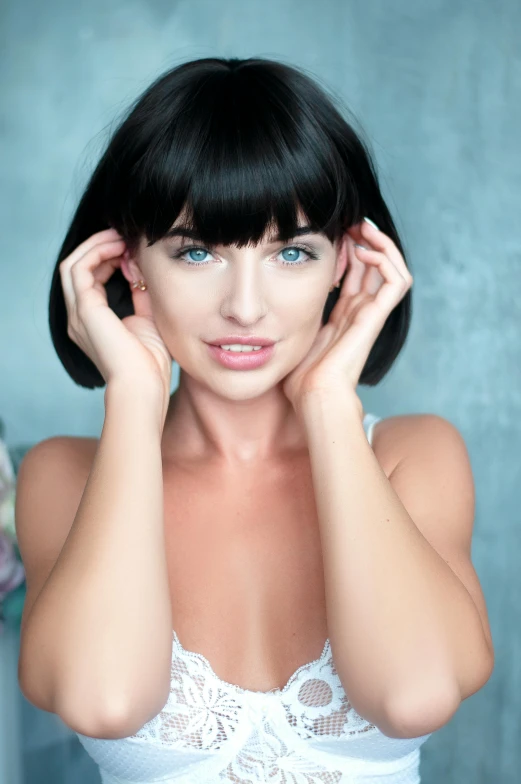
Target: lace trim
pixel 276 690
pixel 205 713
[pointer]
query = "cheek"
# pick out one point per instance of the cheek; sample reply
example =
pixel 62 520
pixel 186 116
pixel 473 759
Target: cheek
pixel 309 305
pixel 174 315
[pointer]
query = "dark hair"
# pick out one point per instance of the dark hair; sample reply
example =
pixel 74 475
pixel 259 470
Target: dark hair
pixel 242 144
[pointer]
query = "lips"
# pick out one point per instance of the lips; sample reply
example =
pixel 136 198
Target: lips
pixel 241 360
pixel 244 341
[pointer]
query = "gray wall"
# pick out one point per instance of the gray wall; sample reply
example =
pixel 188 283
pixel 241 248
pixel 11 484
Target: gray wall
pixel 437 87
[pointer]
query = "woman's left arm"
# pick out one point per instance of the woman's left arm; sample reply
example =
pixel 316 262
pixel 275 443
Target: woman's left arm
pixel 406 616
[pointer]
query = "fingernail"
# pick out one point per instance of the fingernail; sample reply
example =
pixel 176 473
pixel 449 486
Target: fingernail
pixel 372 223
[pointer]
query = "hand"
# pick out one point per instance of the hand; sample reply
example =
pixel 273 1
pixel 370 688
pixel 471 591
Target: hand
pixel 376 281
pixel 129 348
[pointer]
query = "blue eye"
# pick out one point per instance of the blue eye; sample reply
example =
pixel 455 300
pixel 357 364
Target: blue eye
pixel 195 249
pixel 290 263
pixel 293 249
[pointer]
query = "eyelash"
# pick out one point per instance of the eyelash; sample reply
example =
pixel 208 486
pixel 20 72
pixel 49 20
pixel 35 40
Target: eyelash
pixel 312 255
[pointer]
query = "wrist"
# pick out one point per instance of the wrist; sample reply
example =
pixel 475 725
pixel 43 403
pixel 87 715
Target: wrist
pixel 320 400
pixel 139 397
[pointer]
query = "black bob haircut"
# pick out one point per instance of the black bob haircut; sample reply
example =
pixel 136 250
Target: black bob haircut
pixel 242 144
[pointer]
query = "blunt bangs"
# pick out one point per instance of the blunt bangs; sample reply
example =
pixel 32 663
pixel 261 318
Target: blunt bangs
pixel 239 149
pixel 242 151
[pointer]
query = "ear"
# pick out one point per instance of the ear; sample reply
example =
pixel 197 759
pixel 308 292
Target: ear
pixel 344 251
pixel 130 268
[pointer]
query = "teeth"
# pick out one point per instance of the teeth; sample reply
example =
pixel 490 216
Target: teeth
pixel 241 347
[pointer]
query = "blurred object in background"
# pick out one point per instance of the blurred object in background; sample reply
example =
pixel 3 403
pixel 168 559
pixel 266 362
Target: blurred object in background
pixel 12 574
pixel 12 595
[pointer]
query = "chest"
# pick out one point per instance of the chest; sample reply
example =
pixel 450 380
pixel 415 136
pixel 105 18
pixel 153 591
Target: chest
pixel 245 571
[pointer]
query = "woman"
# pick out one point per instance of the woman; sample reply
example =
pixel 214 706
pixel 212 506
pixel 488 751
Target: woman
pixel 250 515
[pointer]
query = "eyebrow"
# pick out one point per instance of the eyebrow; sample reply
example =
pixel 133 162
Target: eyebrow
pixel 183 231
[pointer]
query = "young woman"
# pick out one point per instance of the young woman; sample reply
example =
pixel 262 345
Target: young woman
pixel 236 582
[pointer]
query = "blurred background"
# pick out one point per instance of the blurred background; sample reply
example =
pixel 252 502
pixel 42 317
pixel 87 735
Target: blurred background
pixel 436 86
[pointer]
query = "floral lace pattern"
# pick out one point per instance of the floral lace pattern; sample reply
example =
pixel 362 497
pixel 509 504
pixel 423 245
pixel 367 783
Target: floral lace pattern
pixel 203 712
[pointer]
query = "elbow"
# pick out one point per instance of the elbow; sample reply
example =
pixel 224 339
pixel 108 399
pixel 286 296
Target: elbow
pixel 113 720
pixel 110 725
pixel 413 717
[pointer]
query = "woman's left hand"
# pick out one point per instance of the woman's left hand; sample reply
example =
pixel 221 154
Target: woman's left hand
pixel 376 280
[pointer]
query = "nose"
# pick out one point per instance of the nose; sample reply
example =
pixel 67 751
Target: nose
pixel 244 300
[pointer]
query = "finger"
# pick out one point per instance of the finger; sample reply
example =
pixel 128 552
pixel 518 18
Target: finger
pixel 106 269
pixel 361 276
pixel 82 271
pixel 379 259
pixel 82 250
pixel 107 235
pixel 353 281
pixel 372 280
pixel 387 269
pixel 381 242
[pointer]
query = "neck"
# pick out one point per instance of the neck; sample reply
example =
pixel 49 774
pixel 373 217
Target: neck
pixel 201 425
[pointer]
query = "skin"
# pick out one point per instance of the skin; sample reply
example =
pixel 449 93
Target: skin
pixel 237 418
pixel 436 574
pixel 407 649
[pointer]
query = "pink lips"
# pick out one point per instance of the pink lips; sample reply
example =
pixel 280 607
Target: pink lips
pixel 241 360
pixel 250 340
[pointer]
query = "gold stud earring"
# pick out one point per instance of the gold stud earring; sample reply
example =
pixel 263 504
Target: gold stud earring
pixel 139 284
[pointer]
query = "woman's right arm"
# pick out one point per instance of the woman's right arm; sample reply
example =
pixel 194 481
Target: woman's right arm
pixel 97 641
pixel 96 636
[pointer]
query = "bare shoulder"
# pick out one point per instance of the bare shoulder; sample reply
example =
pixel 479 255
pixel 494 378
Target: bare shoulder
pixel 432 475
pixel 69 455
pixel 52 475
pixel 399 437
pixel 49 485
pixel 51 479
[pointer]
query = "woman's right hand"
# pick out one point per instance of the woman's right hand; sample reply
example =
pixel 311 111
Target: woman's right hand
pixel 130 348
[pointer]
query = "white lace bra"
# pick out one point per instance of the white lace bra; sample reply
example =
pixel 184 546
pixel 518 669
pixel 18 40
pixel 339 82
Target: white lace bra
pixel 210 731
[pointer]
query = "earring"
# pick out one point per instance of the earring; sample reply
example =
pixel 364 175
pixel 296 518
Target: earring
pixel 334 286
pixel 139 284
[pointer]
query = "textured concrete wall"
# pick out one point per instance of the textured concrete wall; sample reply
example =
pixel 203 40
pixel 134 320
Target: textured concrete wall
pixel 437 87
